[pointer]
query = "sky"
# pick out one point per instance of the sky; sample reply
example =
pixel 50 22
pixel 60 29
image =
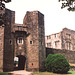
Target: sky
pixel 55 18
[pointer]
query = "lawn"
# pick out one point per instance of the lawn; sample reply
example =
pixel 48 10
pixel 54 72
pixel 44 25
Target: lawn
pixel 4 73
pixel 50 73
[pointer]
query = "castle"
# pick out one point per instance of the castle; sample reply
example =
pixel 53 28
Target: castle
pixel 65 39
pixel 25 41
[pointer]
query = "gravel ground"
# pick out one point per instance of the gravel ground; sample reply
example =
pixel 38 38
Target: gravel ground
pixel 21 72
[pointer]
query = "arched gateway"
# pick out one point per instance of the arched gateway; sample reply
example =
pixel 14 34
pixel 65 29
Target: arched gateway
pixel 20 64
pixel 26 41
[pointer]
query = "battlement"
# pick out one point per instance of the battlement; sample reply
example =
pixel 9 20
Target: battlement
pixel 20 27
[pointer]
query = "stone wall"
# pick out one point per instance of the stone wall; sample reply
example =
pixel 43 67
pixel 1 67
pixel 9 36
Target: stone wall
pixel 65 39
pixel 35 41
pixel 8 57
pixel 31 22
pixel 1 47
pixel 54 41
pixel 68 39
pixel 42 52
pixel 33 35
pixel 70 55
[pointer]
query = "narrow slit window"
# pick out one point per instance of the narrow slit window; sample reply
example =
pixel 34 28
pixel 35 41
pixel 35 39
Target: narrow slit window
pixel 30 42
pixel 10 41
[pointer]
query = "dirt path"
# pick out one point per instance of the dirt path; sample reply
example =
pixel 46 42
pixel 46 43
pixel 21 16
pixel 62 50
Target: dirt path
pixel 21 72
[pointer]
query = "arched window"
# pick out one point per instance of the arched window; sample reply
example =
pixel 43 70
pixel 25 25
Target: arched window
pixel 20 40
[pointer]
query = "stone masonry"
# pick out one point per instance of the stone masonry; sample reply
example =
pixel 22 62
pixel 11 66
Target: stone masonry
pixel 27 39
pixel 6 58
pixel 35 23
pixel 69 54
pixel 65 39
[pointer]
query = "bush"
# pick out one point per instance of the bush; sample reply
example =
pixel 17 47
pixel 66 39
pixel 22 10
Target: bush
pixel 57 63
pixel 48 62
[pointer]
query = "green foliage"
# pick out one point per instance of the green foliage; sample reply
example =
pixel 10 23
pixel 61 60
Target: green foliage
pixel 4 73
pixel 69 4
pixel 57 63
pixel 48 62
pixel 2 5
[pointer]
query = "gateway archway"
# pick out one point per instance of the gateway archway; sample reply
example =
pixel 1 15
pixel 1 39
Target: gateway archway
pixel 19 62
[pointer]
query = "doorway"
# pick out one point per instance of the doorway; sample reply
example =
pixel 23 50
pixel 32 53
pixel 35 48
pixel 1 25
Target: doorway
pixel 19 62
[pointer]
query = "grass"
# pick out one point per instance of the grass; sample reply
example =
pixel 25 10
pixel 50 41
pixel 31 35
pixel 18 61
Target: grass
pixel 50 73
pixel 5 73
pixel 71 72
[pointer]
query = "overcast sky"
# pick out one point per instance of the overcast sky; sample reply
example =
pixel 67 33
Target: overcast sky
pixel 55 17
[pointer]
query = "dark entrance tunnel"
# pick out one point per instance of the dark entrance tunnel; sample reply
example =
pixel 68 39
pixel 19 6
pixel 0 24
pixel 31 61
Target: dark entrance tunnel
pixel 20 64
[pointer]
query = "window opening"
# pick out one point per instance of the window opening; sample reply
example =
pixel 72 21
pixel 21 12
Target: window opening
pixel 10 42
pixel 20 40
pixel 30 42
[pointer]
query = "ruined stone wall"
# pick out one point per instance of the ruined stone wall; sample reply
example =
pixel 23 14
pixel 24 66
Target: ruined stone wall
pixel 62 40
pixel 53 41
pixel 70 55
pixel 68 36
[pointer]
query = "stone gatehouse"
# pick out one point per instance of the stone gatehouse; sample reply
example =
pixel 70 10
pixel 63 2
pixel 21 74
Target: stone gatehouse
pixel 25 41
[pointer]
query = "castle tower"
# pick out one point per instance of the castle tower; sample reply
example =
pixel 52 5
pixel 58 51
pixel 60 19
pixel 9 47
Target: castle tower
pixel 6 42
pixel 35 41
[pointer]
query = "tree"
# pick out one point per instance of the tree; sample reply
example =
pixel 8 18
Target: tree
pixel 3 15
pixel 57 63
pixel 2 5
pixel 68 3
